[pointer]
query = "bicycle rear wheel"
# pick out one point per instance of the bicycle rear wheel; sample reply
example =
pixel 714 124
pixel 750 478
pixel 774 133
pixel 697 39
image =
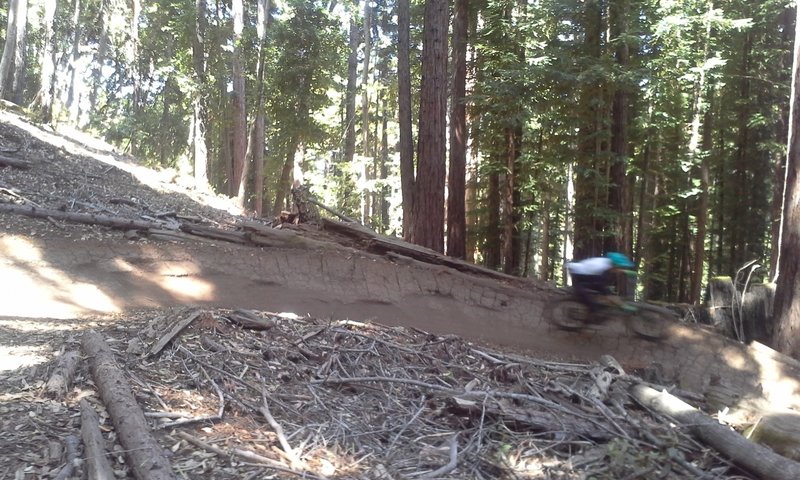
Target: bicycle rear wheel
pixel 569 314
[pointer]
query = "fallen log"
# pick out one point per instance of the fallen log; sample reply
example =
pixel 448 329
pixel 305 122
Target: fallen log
pixel 144 454
pixel 279 238
pixel 119 223
pixel 755 458
pixel 215 233
pixel 250 320
pixel 382 244
pixel 780 432
pixel 60 380
pixel 97 465
pixel 14 163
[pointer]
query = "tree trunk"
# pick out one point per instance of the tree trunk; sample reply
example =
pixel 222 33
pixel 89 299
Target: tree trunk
pixel 18 82
pixel 588 232
pixel 779 159
pixel 9 54
pixel 256 145
pixel 787 296
pixel 100 56
pixel 136 74
pixel 544 267
pixel 73 106
pixel 239 133
pixel 404 114
pixel 618 203
pixel 428 211
pixel 456 184
pixel 365 145
pixel 200 141
pixel 282 189
pixel 492 251
pixel 509 202
pixel 350 93
pixel 43 104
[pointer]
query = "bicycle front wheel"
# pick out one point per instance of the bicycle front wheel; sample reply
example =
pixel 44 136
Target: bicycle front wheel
pixel 649 324
pixel 569 314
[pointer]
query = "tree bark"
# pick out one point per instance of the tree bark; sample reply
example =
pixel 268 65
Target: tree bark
pixel 145 456
pixel 457 174
pixel 9 53
pixel 257 142
pixel 12 63
pixel 404 114
pixel 428 210
pixel 787 298
pixel 43 104
pixel 755 458
pixel 588 234
pixel 97 465
pixel 350 93
pixel 620 239
pixel 239 131
pixel 200 103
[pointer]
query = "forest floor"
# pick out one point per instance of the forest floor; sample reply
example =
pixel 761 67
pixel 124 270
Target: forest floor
pixel 362 366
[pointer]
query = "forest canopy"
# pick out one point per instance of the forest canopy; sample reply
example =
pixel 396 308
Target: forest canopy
pixel 519 135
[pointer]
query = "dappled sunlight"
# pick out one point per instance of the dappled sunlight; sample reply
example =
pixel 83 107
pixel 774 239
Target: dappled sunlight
pixel 32 288
pixel 14 357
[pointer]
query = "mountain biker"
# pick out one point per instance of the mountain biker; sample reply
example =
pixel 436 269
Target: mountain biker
pixel 593 276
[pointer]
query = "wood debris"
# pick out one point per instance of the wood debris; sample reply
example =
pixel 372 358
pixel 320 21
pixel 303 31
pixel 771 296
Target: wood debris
pixel 312 398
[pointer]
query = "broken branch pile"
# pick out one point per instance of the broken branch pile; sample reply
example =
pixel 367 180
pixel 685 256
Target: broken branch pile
pixel 352 400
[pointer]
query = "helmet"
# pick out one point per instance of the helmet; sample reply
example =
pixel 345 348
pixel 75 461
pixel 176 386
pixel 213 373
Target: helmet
pixel 619 260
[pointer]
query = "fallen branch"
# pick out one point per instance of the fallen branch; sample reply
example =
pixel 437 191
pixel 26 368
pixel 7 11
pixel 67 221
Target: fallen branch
pixel 244 454
pixel 332 211
pixel 175 330
pixel 98 466
pixel 15 163
pixel 278 429
pixel 451 465
pixel 753 457
pixel 119 223
pixel 72 443
pixel 60 380
pixel 145 456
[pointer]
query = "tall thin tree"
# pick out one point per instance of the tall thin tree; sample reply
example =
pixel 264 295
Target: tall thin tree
pixel 43 103
pixel 456 181
pixel 404 114
pixel 428 209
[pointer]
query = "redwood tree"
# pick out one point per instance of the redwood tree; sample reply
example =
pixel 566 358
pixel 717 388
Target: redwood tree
pixel 787 299
pixel 456 182
pixel 428 208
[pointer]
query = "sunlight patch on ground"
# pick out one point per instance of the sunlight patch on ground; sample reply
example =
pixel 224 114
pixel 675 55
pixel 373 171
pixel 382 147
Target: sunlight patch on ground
pixel 781 389
pixel 29 287
pixel 12 358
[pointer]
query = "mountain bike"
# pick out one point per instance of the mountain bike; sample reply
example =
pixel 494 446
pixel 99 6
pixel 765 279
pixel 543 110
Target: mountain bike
pixel 643 319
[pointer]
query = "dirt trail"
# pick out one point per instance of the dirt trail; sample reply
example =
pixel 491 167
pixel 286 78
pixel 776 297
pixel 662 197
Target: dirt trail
pixel 51 277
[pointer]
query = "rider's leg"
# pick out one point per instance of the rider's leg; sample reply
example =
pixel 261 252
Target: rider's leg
pixel 582 285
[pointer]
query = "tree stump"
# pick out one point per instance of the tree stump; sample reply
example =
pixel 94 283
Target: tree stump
pixel 722 299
